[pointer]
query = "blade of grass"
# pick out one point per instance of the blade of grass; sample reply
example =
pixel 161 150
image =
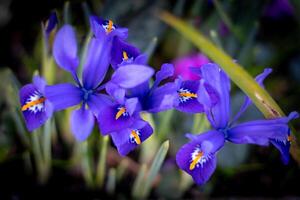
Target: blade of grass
pixel 100 174
pixel 154 169
pixel 260 97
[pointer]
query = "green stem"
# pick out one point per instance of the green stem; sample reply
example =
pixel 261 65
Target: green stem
pixel 100 174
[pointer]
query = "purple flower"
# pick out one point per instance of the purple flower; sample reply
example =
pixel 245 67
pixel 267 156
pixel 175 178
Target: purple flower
pixel 129 138
pixel 96 65
pixel 124 53
pixel 36 108
pixel 156 98
pixel 198 156
pixel 50 24
pixel 102 27
pixel 183 65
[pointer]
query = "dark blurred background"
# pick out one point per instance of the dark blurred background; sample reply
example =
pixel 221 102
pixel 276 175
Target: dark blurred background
pixel 266 34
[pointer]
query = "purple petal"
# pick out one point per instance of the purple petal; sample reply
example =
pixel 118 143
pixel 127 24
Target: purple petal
pixel 259 79
pixel 131 105
pixel 35 115
pixel 120 48
pixel 261 131
pixel 39 83
pixel 96 62
pixel 63 95
pixel 162 98
pixel 197 157
pixel 50 23
pixel 124 139
pixel 219 113
pixel 129 76
pixel 167 70
pixel 116 92
pixel 98 26
pixel 65 49
pixel 187 97
pixel 108 122
pixel 82 123
pixel 97 102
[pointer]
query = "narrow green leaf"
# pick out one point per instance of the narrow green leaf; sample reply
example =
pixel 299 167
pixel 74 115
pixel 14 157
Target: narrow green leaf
pixel 100 174
pixel 67 14
pixel 86 164
pixel 151 47
pixel 154 169
pixel 138 182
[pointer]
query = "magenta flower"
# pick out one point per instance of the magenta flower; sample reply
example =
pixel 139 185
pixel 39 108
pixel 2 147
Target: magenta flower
pixel 182 66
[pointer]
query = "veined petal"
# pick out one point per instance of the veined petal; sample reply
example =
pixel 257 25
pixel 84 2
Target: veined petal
pixel 65 49
pixel 63 95
pixel 96 62
pixel 187 97
pixel 82 123
pixel 130 76
pixel 122 51
pixel 36 109
pixel 216 78
pixel 128 139
pixel 197 157
pixel 259 79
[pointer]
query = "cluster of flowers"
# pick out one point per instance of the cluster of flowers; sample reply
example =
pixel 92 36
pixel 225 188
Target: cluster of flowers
pixel 116 105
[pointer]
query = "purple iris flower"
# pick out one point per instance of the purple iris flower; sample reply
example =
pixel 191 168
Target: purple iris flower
pixel 198 157
pixel 50 24
pixel 124 53
pixel 95 67
pixel 129 138
pixel 36 108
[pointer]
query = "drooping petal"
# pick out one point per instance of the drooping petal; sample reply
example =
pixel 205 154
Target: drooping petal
pixel 128 139
pixel 187 97
pixel 122 52
pixel 114 118
pixel 247 102
pixel 63 95
pixel 96 62
pixel 130 76
pixel 216 78
pixel 36 109
pixel 166 70
pixel 197 157
pixel 161 99
pixel 264 132
pixel 82 123
pixel 65 49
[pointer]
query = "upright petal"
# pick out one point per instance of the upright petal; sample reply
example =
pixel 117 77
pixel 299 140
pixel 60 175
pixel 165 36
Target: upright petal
pixel 216 78
pixel 197 157
pixel 128 139
pixel 65 49
pixel 167 70
pixel 130 76
pixel 63 95
pixel 82 123
pixel 36 109
pixel 116 92
pixel 259 79
pixel 122 52
pixel 97 62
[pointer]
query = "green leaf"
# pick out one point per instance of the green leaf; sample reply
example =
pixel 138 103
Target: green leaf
pixel 154 169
